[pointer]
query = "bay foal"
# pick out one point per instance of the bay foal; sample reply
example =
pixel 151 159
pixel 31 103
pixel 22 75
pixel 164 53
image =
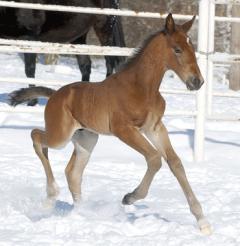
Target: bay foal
pixel 128 105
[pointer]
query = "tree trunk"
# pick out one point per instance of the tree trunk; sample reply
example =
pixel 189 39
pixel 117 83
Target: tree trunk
pixel 234 73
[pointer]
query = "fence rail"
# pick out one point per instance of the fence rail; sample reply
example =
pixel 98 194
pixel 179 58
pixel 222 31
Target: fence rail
pixel 23 46
pixel 62 83
pixel 88 10
pixel 109 11
pixel 227 1
pixel 40 110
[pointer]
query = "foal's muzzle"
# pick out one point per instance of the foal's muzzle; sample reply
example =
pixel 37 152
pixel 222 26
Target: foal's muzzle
pixel 194 83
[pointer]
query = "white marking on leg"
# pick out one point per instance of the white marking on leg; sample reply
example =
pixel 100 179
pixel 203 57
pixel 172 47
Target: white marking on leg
pixel 204 226
pixel 52 189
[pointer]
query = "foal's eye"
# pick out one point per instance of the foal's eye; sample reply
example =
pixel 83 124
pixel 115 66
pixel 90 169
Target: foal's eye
pixel 177 50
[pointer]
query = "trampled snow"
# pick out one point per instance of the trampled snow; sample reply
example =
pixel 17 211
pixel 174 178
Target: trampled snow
pixel 163 218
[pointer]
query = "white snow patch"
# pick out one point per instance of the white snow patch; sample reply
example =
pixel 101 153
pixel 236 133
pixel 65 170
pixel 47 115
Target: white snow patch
pixel 163 218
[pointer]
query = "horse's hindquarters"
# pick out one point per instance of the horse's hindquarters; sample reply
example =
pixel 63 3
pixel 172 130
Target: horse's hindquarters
pixel 60 124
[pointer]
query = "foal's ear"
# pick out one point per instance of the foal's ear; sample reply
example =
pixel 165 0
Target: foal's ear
pixel 169 24
pixel 187 25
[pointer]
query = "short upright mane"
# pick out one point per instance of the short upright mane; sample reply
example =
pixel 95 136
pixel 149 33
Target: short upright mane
pixel 139 50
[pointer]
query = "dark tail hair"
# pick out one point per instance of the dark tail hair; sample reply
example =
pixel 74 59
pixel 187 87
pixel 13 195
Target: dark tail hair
pixel 118 37
pixel 117 30
pixel 27 94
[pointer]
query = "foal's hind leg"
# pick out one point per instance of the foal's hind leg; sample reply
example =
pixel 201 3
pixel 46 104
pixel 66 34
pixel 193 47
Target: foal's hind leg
pixel 84 142
pixel 159 137
pixel 41 150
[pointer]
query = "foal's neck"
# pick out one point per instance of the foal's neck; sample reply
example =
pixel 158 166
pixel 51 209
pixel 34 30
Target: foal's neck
pixel 150 67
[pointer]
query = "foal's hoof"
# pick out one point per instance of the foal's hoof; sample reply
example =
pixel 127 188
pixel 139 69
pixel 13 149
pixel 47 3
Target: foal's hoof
pixel 205 227
pixel 128 199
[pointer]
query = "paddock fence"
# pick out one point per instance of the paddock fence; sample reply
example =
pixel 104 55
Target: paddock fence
pixel 206 54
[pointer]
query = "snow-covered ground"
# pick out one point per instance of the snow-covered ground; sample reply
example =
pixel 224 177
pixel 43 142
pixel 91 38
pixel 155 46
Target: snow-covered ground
pixel 163 218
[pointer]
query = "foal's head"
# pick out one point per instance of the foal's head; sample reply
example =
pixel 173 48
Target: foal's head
pixel 180 52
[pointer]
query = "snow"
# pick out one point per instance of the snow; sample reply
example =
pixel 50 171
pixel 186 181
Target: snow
pixel 162 218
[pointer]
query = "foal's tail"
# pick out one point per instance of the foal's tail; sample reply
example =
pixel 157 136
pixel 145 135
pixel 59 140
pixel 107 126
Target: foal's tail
pixel 26 94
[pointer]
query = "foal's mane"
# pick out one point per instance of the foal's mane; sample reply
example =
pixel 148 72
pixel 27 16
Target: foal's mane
pixel 139 50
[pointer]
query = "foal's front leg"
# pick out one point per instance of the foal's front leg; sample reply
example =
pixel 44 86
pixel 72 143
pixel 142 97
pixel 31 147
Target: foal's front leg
pixel 131 136
pixel 159 137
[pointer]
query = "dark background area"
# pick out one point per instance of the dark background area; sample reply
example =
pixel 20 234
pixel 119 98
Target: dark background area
pixel 137 29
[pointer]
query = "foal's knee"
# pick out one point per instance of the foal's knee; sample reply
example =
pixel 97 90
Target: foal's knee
pixel 175 164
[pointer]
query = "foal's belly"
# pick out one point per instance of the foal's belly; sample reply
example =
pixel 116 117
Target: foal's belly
pixel 92 113
pixel 95 121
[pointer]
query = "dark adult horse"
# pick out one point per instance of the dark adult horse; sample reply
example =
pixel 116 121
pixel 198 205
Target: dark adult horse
pixel 63 27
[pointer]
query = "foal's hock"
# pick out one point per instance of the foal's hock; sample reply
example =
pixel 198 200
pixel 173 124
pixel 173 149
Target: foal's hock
pixel 128 105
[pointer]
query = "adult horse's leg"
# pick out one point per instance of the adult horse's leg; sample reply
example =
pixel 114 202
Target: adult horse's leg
pixel 31 21
pixel 30 64
pixel 84 61
pixel 131 136
pixel 30 68
pixel 84 142
pixel 106 39
pixel 159 137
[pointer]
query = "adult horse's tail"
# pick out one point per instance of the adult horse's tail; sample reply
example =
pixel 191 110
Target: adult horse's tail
pixel 118 37
pixel 26 94
pixel 115 23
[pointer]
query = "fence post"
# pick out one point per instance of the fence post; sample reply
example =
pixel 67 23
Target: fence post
pixel 234 73
pixel 211 35
pixel 203 28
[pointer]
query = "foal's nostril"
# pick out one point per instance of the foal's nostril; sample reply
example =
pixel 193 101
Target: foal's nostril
pixel 201 83
pixel 194 83
pixel 197 83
